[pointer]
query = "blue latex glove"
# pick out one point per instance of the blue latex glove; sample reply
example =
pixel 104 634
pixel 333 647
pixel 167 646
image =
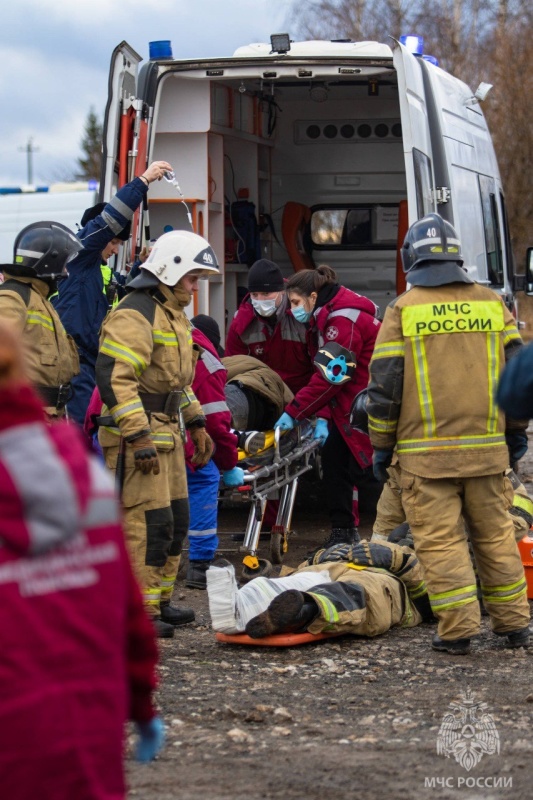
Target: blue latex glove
pixel 380 461
pixel 151 739
pixel 233 477
pixel 517 445
pixel 321 431
pixel 285 422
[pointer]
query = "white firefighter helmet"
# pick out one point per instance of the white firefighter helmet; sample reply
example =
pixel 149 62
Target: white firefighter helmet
pixel 178 253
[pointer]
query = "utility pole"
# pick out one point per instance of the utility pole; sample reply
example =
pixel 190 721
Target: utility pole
pixel 29 149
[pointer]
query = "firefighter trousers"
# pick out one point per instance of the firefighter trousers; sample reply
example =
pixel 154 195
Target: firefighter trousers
pixel 156 520
pixel 434 508
pixel 389 511
pixel 360 601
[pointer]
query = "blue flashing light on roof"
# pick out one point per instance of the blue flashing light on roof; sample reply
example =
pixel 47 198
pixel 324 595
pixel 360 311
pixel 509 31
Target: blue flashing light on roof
pixel 160 50
pixel 432 60
pixel 92 185
pixel 415 44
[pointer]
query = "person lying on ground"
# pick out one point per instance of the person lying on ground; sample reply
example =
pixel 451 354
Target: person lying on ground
pixel 363 589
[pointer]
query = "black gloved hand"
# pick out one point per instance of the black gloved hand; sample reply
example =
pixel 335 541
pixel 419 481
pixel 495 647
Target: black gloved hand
pixel 517 445
pixel 145 455
pixel 380 462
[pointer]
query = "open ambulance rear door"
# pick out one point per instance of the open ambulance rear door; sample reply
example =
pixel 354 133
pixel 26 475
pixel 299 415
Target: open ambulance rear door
pixel 126 131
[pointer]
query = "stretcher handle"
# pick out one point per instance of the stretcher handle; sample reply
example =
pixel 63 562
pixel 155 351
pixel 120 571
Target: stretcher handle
pixel 277 454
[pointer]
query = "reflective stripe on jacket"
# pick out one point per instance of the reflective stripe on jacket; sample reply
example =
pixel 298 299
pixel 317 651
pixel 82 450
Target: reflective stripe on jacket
pixel 208 386
pixel 436 365
pixel 51 355
pixel 82 304
pixel 146 346
pixel 85 639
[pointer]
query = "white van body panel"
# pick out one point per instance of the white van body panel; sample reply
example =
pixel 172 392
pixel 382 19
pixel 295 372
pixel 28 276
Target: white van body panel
pixel 383 131
pixel 19 210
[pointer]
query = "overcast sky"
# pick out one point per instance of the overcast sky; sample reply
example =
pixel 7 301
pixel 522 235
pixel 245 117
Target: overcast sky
pixel 56 55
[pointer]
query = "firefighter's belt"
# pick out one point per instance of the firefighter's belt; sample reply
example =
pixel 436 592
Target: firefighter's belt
pixel 168 404
pixel 56 396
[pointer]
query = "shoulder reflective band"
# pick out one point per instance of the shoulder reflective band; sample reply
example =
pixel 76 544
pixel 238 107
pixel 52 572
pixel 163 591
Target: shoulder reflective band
pixel 36 318
pixel 460 317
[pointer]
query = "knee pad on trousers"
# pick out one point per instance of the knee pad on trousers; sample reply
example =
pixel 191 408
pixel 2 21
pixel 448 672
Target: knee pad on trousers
pixel 159 527
pixel 180 516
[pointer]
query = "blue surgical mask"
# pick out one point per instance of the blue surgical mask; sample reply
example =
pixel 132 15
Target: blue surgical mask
pixel 300 314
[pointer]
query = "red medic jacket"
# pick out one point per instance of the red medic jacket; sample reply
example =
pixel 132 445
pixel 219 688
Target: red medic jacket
pixel 78 652
pixel 282 346
pixel 208 386
pixel 347 318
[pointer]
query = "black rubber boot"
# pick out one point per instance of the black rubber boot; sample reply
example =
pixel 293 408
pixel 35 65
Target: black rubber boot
pixel 520 638
pixel 172 615
pixel 342 536
pixel 289 612
pixel 162 629
pixel 457 647
pixel 196 574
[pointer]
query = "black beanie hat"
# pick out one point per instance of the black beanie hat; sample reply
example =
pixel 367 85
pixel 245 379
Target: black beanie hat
pixel 265 276
pixel 92 213
pixel 209 328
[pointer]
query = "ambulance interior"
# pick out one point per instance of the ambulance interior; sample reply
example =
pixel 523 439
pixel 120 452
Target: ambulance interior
pixel 321 158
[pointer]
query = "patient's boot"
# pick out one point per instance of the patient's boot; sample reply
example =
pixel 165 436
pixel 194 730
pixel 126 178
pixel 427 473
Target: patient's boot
pixel 251 441
pixel 289 612
pixel 196 578
pixel 342 536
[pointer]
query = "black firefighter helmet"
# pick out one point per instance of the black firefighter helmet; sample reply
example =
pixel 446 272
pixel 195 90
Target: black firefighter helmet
pixel 43 250
pixel 431 253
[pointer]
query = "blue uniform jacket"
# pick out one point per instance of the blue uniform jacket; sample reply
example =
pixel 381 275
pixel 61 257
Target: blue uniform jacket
pixel 81 303
pixel 515 390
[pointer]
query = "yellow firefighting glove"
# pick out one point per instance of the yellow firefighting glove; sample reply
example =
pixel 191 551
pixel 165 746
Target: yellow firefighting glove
pixel 145 454
pixel 203 446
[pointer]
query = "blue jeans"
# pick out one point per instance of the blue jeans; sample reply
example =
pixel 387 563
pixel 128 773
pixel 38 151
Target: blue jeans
pixel 203 503
pixel 82 387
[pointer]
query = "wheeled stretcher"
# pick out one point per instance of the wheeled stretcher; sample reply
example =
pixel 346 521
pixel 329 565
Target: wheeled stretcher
pixel 286 456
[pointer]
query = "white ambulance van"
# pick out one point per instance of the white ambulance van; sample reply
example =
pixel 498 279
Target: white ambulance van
pixel 61 202
pixel 308 153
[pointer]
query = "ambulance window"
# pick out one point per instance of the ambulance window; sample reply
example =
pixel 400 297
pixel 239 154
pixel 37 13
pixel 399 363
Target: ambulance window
pixel 492 230
pixel 355 227
pixel 423 183
pixel 509 255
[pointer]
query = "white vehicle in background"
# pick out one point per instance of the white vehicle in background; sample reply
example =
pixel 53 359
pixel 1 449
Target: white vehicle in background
pixel 59 202
pixel 335 148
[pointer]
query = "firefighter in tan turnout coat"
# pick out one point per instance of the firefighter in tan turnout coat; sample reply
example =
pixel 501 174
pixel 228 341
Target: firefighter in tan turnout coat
pixel 438 357
pixel 42 251
pixel 144 372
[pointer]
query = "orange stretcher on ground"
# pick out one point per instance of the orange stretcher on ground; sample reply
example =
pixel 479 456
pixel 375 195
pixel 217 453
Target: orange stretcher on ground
pixel 278 640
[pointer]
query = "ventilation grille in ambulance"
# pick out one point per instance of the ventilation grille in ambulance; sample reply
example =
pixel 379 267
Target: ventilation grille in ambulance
pixel 347 130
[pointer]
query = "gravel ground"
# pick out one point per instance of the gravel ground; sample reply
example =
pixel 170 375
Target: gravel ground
pixel 344 718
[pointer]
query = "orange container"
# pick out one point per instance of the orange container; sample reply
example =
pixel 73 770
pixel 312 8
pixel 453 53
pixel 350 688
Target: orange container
pixel 525 546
